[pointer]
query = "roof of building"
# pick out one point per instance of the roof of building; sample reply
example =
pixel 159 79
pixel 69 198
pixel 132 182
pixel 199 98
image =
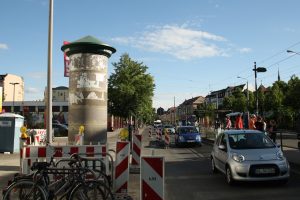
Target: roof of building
pixel 193 100
pixel 2 76
pixel 61 88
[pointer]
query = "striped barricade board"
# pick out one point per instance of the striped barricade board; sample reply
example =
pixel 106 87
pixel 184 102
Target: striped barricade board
pixel 136 154
pixel 152 178
pixel 30 154
pixel 122 168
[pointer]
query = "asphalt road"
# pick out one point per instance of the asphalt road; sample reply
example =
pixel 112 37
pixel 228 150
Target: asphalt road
pixel 188 176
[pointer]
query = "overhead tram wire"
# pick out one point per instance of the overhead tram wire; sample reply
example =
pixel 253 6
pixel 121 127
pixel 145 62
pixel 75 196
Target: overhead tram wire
pixel 280 52
pixel 285 73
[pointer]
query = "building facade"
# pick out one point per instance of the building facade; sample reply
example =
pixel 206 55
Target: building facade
pixel 13 87
pixel 60 94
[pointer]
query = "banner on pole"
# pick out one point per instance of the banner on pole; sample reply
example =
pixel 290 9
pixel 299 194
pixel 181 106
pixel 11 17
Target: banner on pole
pixel 0 99
pixel 66 62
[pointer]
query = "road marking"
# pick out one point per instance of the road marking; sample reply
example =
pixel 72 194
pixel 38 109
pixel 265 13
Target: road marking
pixel 204 176
pixel 196 153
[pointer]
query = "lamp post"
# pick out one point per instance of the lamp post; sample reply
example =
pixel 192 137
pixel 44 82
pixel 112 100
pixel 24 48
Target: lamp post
pixel 290 51
pixel 247 92
pixel 257 69
pixel 13 107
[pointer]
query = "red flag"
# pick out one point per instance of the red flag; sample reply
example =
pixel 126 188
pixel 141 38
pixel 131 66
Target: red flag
pixel 66 62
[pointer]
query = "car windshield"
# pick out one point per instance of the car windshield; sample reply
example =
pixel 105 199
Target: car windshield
pixel 249 141
pixel 184 130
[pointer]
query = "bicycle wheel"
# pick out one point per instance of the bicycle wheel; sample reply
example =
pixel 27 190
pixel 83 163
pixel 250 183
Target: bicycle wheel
pixel 95 190
pixel 25 190
pixel 101 176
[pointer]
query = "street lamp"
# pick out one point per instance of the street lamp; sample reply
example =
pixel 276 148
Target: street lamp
pixel 290 51
pixel 247 92
pixel 14 84
pixel 257 69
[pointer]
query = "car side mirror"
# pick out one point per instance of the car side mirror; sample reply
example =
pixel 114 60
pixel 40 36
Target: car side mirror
pixel 222 147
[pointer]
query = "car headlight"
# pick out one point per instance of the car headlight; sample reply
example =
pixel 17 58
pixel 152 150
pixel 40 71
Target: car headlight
pixel 279 155
pixel 198 138
pixel 238 157
pixel 181 138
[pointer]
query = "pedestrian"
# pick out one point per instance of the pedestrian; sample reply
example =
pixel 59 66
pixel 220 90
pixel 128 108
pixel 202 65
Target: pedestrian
pixel 271 128
pixel 252 122
pixel 259 124
pixel 239 122
pixel 228 122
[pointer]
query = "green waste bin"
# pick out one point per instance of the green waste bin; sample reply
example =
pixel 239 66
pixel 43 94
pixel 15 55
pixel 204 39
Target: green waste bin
pixel 10 133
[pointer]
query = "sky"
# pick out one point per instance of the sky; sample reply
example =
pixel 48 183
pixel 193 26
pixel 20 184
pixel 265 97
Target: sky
pixel 191 47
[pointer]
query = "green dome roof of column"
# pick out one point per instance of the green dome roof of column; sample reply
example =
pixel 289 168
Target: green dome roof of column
pixel 88 44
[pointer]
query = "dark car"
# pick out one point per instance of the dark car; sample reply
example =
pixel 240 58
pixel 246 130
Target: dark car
pixel 60 130
pixel 186 135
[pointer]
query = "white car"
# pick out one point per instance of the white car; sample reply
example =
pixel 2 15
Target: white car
pixel 248 155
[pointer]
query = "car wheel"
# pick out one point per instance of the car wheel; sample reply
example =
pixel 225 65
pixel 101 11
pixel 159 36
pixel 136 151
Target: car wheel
pixel 213 166
pixel 229 178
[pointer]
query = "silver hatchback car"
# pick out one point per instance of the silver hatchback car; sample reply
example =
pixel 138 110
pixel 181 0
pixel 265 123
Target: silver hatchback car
pixel 248 155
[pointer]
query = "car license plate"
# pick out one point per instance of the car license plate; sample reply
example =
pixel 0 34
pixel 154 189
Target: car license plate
pixel 265 171
pixel 191 141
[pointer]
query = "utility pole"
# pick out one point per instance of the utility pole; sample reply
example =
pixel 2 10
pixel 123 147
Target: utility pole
pixel 174 112
pixel 49 75
pixel 13 106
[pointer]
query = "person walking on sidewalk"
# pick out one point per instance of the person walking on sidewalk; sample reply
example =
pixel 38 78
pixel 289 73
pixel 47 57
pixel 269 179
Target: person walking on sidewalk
pixel 259 124
pixel 252 122
pixel 228 122
pixel 271 128
pixel 239 122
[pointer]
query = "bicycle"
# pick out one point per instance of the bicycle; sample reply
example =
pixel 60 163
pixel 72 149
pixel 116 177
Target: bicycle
pixel 72 183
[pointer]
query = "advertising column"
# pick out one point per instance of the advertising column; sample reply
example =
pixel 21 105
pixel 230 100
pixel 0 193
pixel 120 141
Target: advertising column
pixel 88 88
pixel 1 90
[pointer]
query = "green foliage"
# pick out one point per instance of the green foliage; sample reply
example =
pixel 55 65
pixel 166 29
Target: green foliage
pixel 130 89
pixel 293 93
pixel 237 102
pixel 279 102
pixel 205 110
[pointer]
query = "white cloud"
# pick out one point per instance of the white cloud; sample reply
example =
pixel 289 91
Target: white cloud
pixel 245 50
pixel 180 42
pixel 3 46
pixel 32 90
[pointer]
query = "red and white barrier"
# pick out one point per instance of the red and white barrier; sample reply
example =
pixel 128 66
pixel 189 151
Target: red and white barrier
pixel 30 154
pixel 158 134
pixel 122 168
pixel 167 140
pixel 136 151
pixel 152 178
pixel 40 134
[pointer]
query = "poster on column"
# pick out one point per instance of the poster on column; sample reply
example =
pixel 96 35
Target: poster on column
pixel 1 99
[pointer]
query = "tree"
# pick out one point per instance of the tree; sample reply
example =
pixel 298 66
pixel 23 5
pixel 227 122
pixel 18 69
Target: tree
pixel 160 111
pixel 293 93
pixel 130 89
pixel 236 102
pixel 274 98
